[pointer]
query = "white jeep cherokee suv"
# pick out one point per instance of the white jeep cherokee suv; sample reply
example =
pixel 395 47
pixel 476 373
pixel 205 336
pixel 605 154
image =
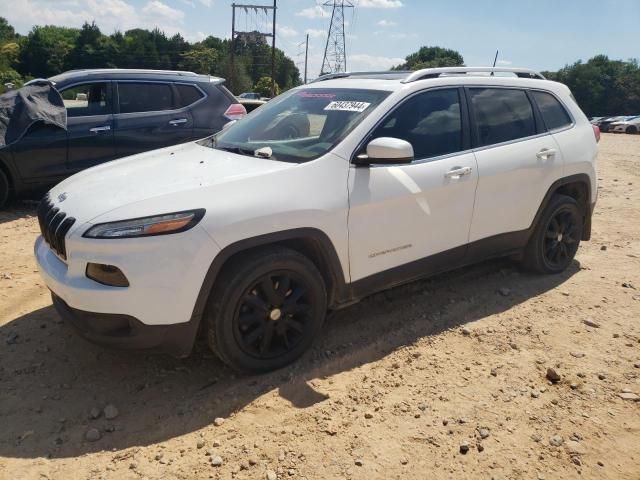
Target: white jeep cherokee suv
pixel 332 191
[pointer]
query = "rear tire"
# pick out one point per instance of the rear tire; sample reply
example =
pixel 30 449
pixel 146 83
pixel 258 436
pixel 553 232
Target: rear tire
pixel 265 309
pixel 4 190
pixel 556 238
pixel 632 129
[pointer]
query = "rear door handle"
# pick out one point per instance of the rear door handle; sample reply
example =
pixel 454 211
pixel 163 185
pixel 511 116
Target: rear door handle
pixel 457 172
pixel 546 153
pixel 177 121
pixel 104 128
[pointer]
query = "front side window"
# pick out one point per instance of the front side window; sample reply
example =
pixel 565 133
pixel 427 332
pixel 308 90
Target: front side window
pixel 87 99
pixel 136 97
pixel 501 115
pixel 430 121
pixel 553 113
pixel 300 125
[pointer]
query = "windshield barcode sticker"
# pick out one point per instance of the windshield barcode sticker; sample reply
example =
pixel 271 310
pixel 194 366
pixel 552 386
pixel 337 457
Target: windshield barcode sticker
pixel 348 106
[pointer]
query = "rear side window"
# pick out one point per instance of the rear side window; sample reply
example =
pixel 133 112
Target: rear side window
pixel 430 122
pixel 187 95
pixel 144 97
pixel 553 113
pixel 501 115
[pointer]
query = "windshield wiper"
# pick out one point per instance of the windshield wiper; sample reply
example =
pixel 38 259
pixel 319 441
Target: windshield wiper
pixel 237 150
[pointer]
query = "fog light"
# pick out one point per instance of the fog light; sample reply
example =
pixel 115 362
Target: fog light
pixel 106 275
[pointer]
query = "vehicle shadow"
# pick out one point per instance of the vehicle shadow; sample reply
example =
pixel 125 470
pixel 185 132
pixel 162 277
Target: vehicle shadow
pixel 51 379
pixel 18 209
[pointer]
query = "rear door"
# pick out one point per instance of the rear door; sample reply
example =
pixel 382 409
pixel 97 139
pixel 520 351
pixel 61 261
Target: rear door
pixel 89 124
pixel 149 116
pixel 518 160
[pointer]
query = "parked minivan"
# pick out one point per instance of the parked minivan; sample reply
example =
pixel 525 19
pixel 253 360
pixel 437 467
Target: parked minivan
pixel 114 113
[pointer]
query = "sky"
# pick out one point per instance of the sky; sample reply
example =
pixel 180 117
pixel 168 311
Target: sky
pixel 538 34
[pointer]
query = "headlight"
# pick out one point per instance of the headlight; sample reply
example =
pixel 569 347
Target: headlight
pixel 147 226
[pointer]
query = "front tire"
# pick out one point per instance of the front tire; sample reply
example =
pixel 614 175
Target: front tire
pixel 632 129
pixel 265 309
pixel 556 238
pixel 4 190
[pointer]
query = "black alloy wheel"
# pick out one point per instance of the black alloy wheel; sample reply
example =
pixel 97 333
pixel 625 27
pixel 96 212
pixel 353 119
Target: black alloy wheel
pixel 560 243
pixel 273 315
pixel 266 308
pixel 555 239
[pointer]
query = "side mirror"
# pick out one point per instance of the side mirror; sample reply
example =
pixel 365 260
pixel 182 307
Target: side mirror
pixel 386 150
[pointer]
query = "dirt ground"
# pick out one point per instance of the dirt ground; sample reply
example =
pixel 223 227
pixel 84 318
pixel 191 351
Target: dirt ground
pixel 392 389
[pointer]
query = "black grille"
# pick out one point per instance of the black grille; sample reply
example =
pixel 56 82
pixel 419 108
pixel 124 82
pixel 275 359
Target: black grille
pixel 54 225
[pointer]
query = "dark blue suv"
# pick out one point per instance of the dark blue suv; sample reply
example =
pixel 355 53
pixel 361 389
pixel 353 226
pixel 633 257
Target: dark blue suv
pixel 112 113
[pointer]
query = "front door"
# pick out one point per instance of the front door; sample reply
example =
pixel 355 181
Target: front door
pixel 403 215
pixel 148 119
pixel 41 154
pixel 89 125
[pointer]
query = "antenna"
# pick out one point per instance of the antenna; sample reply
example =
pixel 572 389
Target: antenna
pixel 335 51
pixel 495 59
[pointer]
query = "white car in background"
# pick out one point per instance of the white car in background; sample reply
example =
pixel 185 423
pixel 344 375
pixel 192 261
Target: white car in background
pixel 630 125
pixel 374 180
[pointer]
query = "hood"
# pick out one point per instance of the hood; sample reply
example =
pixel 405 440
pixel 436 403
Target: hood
pixel 169 172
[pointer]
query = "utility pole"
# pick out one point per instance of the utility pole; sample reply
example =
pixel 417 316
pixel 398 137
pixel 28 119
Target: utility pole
pixel 335 50
pixel 253 36
pixel 306 59
pixel 273 53
pixel 233 46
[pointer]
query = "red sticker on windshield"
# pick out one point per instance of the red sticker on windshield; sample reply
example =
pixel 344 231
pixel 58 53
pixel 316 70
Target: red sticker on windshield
pixel 316 95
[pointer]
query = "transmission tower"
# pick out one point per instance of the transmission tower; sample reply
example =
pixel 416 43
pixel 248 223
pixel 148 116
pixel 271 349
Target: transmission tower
pixel 335 51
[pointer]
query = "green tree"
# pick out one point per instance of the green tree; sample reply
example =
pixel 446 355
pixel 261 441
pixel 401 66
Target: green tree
pixel 7 32
pixel 263 87
pixel 429 57
pixel 92 49
pixel 45 50
pixel 200 60
pixel 602 86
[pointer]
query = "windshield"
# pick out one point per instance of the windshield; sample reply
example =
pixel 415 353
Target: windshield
pixel 298 126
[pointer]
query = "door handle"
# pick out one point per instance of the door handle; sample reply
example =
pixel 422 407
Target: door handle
pixel 177 121
pixel 457 172
pixel 96 130
pixel 546 153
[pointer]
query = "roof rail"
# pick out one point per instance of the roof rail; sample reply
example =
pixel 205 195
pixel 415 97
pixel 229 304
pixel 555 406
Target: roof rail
pixel 444 71
pixel 96 71
pixel 332 76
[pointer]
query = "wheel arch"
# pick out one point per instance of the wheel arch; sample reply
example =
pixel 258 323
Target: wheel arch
pixel 4 168
pixel 578 187
pixel 311 242
pixel 11 186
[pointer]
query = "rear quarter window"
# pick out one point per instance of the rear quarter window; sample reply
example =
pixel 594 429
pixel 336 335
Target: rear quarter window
pixel 187 95
pixel 553 113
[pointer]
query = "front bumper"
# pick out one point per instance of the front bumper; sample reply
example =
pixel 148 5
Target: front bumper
pixel 123 331
pixel 157 311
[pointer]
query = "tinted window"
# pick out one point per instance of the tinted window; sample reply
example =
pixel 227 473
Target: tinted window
pixel 188 94
pixel 553 113
pixel 429 121
pixel 501 115
pixel 144 97
pixel 87 99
